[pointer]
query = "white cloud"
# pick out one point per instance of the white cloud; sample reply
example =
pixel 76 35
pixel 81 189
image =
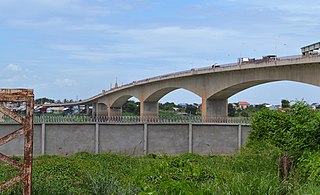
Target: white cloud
pixel 14 67
pixel 152 43
pixel 65 82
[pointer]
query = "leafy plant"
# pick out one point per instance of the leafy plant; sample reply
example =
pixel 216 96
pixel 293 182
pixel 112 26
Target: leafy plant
pixel 295 131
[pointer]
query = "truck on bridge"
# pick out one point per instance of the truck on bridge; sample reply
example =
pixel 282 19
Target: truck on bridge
pixel 266 58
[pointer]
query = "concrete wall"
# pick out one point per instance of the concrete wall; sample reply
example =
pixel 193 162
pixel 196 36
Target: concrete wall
pixel 168 138
pixel 215 139
pixel 15 146
pixel 130 139
pixel 121 138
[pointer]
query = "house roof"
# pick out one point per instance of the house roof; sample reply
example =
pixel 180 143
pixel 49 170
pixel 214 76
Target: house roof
pixel 244 103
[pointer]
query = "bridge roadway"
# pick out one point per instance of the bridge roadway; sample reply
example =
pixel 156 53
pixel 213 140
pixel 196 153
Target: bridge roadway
pixel 213 84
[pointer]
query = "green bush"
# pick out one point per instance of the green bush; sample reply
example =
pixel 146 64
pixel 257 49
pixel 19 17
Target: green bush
pixel 295 131
pixel 309 166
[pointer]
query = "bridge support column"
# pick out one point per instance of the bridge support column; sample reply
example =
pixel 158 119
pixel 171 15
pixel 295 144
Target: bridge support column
pixel 87 109
pixel 149 109
pixel 101 109
pixel 94 110
pixel 214 108
pixel 114 111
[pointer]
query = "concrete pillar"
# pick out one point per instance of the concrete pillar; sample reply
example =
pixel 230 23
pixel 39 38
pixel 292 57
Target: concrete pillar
pixel 87 109
pixel 101 109
pixel 93 113
pixel 114 111
pixel 214 108
pixel 78 106
pixel 149 109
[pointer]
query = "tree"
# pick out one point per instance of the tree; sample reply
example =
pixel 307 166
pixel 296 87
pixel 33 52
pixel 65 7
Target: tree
pixel 191 109
pixel 131 107
pixel 41 101
pixel 285 104
pixel 231 110
pixel 168 106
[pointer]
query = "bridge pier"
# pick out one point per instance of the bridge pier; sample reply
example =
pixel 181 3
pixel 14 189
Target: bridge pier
pixel 87 109
pixel 101 109
pixel 149 109
pixel 114 111
pixel 214 108
pixel 94 110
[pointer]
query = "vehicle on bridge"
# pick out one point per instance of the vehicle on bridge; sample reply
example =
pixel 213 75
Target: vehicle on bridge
pixel 266 58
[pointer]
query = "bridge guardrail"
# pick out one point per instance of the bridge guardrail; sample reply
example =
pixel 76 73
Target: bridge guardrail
pixel 130 119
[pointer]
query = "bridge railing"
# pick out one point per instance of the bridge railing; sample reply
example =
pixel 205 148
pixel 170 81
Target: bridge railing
pixel 130 119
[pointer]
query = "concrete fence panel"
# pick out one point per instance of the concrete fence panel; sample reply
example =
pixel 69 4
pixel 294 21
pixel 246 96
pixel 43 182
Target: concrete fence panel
pixel 69 138
pixel 16 146
pixel 168 138
pixel 121 138
pixel 215 139
pixel 130 139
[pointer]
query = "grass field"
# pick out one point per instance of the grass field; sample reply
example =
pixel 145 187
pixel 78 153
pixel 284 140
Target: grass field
pixel 253 171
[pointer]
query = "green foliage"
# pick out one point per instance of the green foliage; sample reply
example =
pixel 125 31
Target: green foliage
pixel 295 131
pixel 309 166
pixel 166 113
pixel 168 106
pixel 247 112
pixel 231 110
pixel 191 109
pixel 253 171
pixel 131 108
pixel 184 174
pixel 298 132
pixel 61 176
pixel 41 101
pixel 285 104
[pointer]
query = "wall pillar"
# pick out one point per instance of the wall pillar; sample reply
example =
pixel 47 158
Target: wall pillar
pixel 149 109
pixel 214 108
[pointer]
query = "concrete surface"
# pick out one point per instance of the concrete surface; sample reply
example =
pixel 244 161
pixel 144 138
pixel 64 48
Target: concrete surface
pixel 130 139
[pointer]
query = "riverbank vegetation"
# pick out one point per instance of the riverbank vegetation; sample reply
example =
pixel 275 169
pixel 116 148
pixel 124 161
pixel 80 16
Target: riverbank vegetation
pixel 255 170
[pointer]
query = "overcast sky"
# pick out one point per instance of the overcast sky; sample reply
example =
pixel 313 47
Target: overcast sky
pixel 74 49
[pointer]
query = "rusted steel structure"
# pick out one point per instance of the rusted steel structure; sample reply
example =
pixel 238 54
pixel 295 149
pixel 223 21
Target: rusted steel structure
pixel 25 175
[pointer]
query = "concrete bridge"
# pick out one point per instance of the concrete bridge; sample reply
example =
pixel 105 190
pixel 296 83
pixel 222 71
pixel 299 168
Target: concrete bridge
pixel 214 84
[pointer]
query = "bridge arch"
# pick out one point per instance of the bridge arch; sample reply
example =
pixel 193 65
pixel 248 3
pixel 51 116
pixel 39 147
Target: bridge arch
pixel 150 105
pixel 120 101
pixel 217 99
pixel 216 104
pixel 229 91
pixel 274 92
pixel 116 103
pixel 100 109
pixel 234 89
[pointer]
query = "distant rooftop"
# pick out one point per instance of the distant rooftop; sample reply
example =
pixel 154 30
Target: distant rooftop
pixel 244 103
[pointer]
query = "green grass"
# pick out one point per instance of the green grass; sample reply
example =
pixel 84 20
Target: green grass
pixel 254 171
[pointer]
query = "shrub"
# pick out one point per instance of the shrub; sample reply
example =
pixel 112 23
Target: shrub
pixel 309 166
pixel 295 131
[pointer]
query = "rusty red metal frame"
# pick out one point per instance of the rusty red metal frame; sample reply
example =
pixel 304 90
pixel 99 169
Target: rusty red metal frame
pixel 25 175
